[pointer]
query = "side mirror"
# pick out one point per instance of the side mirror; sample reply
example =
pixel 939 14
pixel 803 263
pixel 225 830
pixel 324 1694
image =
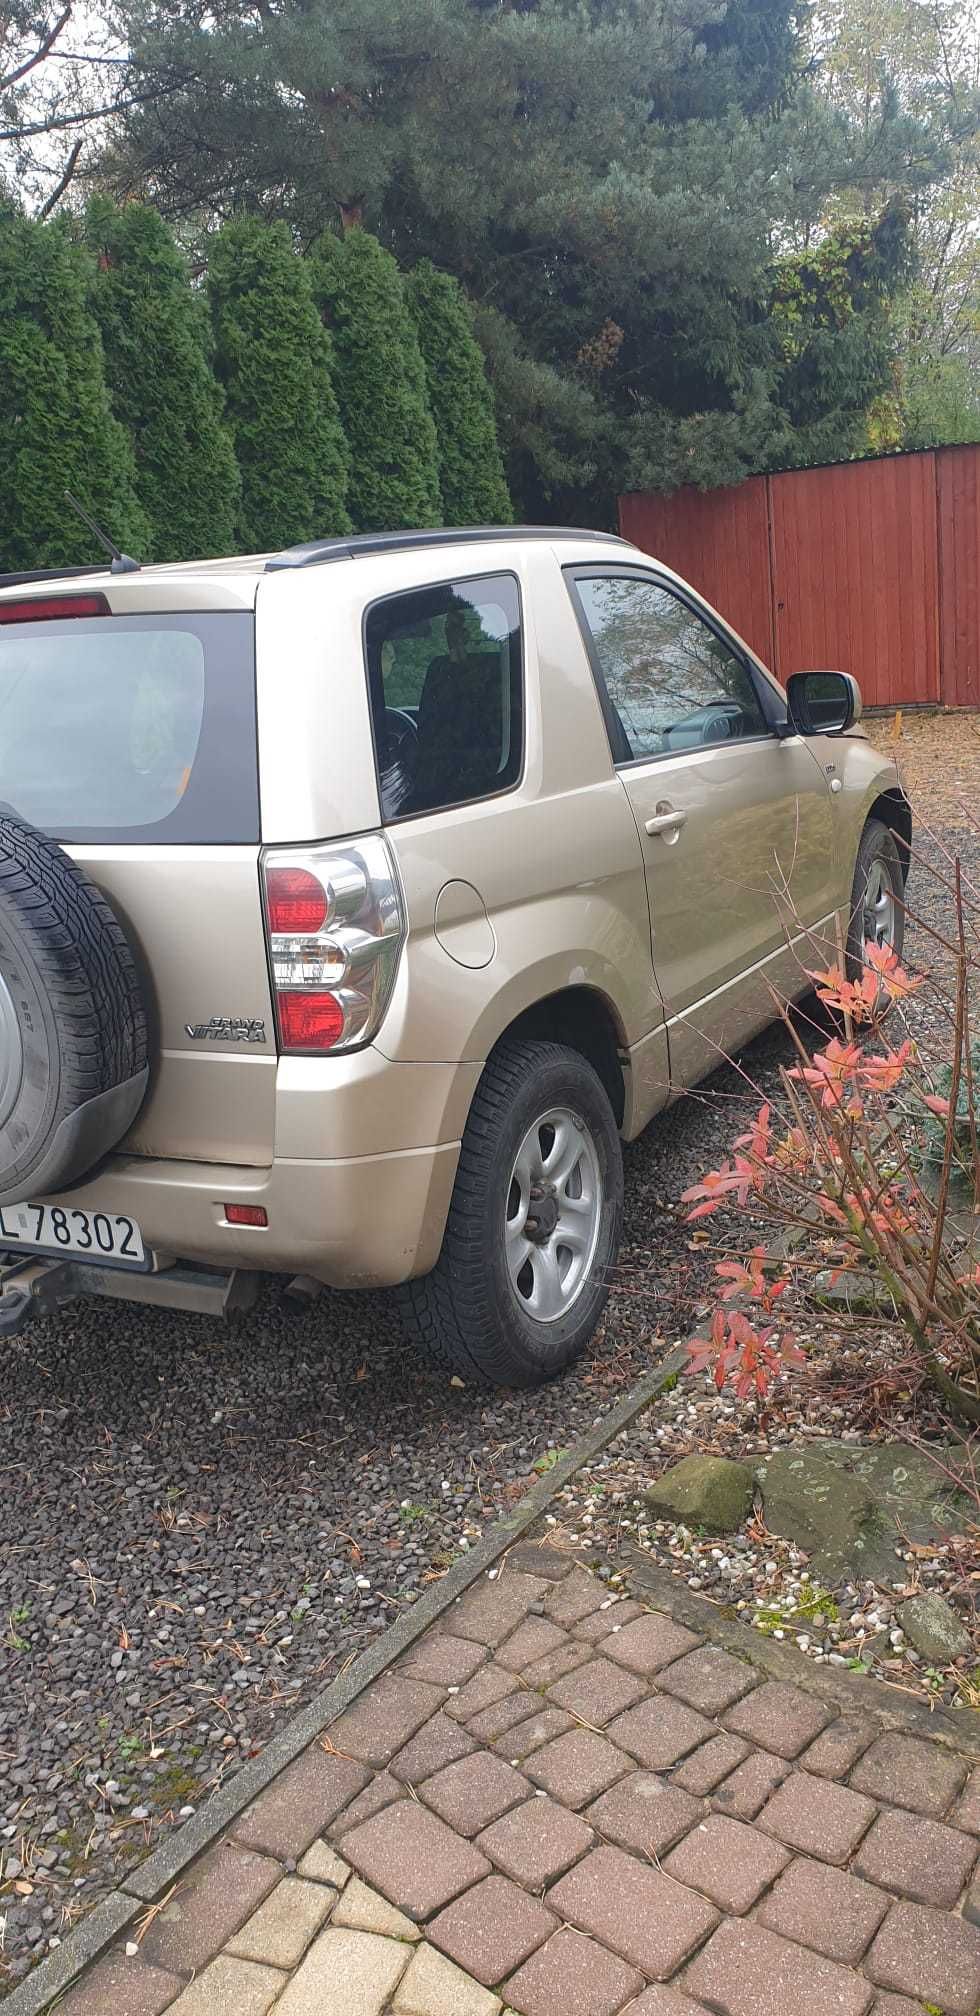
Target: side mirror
pixel 822 703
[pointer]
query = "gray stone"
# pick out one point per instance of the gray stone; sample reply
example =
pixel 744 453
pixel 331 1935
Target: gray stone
pixel 850 1294
pixel 708 1491
pixel 827 1511
pixel 934 1629
pixel 909 1488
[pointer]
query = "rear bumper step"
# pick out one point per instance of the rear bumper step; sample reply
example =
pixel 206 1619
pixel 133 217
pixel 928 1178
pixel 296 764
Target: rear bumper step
pixel 30 1289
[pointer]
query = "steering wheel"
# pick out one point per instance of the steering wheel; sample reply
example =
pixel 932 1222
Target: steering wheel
pixel 401 731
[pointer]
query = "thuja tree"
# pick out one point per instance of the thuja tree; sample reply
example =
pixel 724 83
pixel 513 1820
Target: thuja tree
pixel 381 384
pixel 156 339
pixel 273 359
pixel 471 470
pixel 57 430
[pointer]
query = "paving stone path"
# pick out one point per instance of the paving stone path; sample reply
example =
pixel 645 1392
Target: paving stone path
pixel 565 1804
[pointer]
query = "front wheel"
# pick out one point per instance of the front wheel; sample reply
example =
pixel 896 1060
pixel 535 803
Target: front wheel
pixel 877 897
pixel 534 1224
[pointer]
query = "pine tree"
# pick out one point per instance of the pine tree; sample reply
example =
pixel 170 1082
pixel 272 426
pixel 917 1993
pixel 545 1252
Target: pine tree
pixel 381 385
pixel 273 358
pixel 57 431
pixel 471 471
pixel 155 336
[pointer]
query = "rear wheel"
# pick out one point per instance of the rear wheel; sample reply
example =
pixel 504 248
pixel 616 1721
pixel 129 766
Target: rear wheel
pixel 877 897
pixel 534 1224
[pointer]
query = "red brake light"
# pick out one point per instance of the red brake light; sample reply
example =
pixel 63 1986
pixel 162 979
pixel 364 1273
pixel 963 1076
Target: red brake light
pixel 310 1021
pixel 246 1214
pixel 297 900
pixel 46 608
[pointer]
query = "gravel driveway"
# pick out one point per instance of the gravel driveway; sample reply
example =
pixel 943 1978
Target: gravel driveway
pixel 204 1523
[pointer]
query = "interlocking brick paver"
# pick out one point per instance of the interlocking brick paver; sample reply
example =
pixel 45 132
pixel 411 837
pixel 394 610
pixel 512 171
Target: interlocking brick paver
pixel 208 1906
pixel 971 1904
pixel 474 1792
pixel 380 1792
pixel 444 1659
pixel 279 1932
pixel 434 1986
pixel 536 1842
pixel 836 1914
pixel 838 1748
pixel 518 1743
pixel 597 1692
pixel 489 1684
pixel 385 1717
pixel 779 1717
pixel 490 1611
pixel 362 1909
pixel 126 1985
pixel 229 1988
pixel 744 1794
pixel 660 1731
pixel 505 1714
pixel 572 1976
pixel 576 1767
pixel 896 2005
pixel 345 1974
pixel 574 1598
pixel 707 1766
pixel 413 1858
pixel 747 1971
pixel 493 1929
pixel 904 1771
pixel 439 1741
pixel 641 1914
pixel 708 1679
pixel 650 1642
pixel 663 2002
pixel 918 1858
pixel 928 1954
pixel 532 1639
pixel 611 1616
pixel 818 1817
pixel 966 1813
pixel 300 1803
pixel 644 1813
pixel 321 1865
pixel 730 1862
pixel 553 1665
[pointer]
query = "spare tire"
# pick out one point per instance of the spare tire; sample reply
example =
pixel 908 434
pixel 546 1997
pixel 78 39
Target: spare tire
pixel 73 1049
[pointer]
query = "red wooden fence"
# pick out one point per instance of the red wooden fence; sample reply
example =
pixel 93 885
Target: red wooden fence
pixel 870 567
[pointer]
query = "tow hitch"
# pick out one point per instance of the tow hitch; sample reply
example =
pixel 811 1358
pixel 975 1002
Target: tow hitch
pixel 33 1288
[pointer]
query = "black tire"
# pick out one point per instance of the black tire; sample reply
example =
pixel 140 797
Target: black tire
pixel 73 1041
pixel 878 848
pixel 467 1313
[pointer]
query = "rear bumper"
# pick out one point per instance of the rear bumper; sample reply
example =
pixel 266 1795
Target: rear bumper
pixel 362 1222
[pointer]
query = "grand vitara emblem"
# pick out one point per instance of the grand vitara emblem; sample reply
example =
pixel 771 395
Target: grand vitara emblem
pixel 227 1029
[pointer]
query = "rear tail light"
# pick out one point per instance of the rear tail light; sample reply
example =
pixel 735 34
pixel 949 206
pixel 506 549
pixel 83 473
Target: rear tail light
pixel 336 926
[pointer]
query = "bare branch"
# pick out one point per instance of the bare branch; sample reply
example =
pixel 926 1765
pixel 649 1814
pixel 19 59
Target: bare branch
pixel 87 118
pixel 42 50
pixel 58 191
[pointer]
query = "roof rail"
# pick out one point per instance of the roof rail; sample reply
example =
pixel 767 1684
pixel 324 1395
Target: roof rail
pixel 321 551
pixel 49 574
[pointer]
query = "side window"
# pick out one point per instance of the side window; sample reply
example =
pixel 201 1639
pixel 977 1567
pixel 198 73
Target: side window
pixel 446 685
pixel 672 683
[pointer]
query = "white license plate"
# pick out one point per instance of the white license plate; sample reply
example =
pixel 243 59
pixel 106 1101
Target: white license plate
pixel 87 1235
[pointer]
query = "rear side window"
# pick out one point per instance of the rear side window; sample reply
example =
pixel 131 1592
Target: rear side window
pixel 446 684
pixel 137 728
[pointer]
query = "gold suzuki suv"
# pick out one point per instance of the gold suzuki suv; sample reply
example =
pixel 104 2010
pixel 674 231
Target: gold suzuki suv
pixel 357 901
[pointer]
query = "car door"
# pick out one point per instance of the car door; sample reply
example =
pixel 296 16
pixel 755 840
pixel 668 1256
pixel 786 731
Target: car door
pixel 734 819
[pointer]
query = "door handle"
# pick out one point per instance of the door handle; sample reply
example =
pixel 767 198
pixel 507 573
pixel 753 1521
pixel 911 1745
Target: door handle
pixel 666 820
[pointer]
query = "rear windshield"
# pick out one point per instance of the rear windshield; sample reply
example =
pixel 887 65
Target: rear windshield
pixel 118 728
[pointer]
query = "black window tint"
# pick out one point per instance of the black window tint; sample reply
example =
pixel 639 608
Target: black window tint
pixel 126 728
pixel 672 683
pixel 444 666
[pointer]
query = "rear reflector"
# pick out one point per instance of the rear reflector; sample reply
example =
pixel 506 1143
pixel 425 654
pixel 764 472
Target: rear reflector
pixel 310 1021
pixel 48 608
pixel 297 900
pixel 245 1214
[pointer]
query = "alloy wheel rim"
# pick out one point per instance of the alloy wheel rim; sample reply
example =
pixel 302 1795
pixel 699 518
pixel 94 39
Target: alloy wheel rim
pixel 553 1214
pixel 879 906
pixel 11 1053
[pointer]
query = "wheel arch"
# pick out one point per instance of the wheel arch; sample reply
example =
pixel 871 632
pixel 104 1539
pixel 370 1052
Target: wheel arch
pixel 585 1020
pixel 893 809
